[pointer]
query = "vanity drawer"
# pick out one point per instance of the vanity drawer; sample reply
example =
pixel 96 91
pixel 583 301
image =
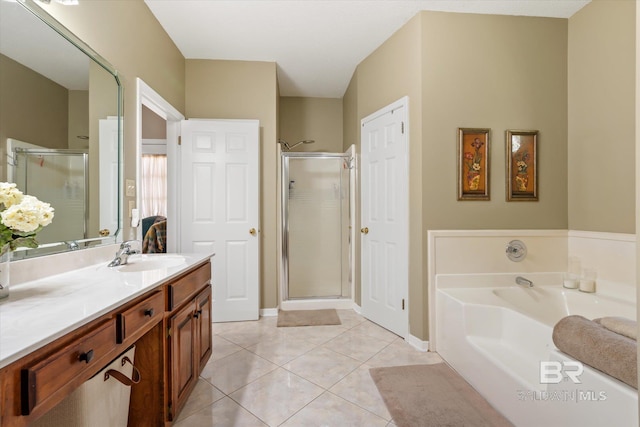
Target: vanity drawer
pixel 145 313
pixel 84 354
pixel 186 287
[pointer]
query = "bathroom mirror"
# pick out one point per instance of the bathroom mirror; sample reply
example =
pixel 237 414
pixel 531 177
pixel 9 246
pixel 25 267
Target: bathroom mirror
pixel 60 128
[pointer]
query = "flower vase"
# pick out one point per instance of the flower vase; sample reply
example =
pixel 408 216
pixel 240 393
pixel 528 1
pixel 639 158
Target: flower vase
pixel 5 258
pixel 474 181
pixel 522 180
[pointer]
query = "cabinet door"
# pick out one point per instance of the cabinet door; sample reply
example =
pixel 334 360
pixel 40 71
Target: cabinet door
pixel 203 326
pixel 182 363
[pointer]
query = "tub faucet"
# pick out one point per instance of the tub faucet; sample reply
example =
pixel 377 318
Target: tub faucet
pixel 122 256
pixel 524 282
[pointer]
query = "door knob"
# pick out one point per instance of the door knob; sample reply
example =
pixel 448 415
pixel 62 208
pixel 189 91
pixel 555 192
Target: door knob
pixel 253 232
pixel 364 230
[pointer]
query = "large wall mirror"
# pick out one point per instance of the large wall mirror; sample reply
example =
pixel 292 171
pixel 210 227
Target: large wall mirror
pixel 60 128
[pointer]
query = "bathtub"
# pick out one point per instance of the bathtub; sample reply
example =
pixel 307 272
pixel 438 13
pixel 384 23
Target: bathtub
pixel 496 334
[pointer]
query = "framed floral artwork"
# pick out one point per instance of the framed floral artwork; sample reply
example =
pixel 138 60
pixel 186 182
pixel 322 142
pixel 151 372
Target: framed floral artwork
pixel 473 164
pixel 522 165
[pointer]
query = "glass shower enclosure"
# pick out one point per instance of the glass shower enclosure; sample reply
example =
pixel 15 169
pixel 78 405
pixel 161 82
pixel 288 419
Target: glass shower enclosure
pixel 60 178
pixel 316 247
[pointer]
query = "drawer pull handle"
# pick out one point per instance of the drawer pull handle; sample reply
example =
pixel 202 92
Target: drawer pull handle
pixel 197 314
pixel 149 312
pixel 86 357
pixel 135 375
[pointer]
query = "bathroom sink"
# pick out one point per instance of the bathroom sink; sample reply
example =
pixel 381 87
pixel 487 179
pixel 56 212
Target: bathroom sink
pixel 148 262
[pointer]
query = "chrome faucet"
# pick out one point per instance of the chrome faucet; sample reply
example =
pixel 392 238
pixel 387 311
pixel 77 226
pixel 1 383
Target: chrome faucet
pixel 524 282
pixel 122 256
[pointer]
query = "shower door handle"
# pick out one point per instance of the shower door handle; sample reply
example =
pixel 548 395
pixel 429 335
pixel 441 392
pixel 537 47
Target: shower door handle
pixel 364 230
pixel 253 232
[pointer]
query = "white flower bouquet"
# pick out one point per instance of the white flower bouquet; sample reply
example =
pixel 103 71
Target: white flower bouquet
pixel 21 218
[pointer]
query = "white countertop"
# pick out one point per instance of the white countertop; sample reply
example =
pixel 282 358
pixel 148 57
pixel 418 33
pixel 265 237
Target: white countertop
pixel 38 312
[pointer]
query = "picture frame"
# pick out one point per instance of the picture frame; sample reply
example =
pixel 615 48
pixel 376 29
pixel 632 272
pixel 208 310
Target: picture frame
pixel 522 165
pixel 473 163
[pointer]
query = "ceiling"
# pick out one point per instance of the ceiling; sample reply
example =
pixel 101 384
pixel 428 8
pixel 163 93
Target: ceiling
pixel 316 44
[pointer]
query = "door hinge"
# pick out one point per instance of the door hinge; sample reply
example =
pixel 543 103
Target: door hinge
pixel 169 410
pixel 403 303
pixel 168 332
pixel 402 127
pixel 180 140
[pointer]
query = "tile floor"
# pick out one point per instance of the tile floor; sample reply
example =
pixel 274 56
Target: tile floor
pixel 262 375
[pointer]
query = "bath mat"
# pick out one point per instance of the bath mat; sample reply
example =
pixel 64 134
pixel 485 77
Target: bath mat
pixel 308 317
pixel 433 395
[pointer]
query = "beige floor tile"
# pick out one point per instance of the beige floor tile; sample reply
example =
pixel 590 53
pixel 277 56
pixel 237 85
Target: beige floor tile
pixel 400 353
pixel 250 336
pixel 222 347
pixel 230 327
pixel 331 410
pixel 350 318
pixel 356 345
pixel 358 387
pixel 236 370
pixel 323 366
pixel 223 413
pixel 314 334
pixel 312 359
pixel 281 349
pixel 370 329
pixel 276 396
pixel 203 395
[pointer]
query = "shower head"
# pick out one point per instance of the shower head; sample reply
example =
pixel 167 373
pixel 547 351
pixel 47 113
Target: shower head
pixel 288 147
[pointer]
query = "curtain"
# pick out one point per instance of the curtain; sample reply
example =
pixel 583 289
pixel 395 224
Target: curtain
pixel 154 185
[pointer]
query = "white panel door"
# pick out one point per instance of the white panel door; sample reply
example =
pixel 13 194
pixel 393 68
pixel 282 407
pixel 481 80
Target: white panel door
pixel 108 136
pixel 219 209
pixel 385 217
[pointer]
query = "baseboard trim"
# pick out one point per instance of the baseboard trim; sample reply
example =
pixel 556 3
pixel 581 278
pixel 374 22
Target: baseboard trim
pixel 417 343
pixel 268 312
pixel 357 308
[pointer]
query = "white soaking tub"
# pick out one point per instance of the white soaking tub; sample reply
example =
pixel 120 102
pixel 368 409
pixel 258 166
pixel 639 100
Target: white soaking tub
pixel 497 334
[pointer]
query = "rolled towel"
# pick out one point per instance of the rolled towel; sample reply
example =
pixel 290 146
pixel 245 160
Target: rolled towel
pixel 598 347
pixel 620 325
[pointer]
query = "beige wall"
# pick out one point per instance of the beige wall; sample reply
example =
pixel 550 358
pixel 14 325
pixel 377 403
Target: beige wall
pixel 28 98
pixel 602 117
pixel 391 72
pixel 128 35
pixel 319 119
pixel 245 90
pixel 462 70
pixel 78 118
pixel 497 72
pixel 153 126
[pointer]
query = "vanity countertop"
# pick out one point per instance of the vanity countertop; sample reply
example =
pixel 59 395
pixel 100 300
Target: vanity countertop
pixel 38 312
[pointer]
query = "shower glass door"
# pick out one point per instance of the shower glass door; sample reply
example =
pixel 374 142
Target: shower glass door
pixel 60 178
pixel 316 225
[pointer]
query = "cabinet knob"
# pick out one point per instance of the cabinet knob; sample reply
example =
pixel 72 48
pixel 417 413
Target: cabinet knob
pixel 149 312
pixel 86 357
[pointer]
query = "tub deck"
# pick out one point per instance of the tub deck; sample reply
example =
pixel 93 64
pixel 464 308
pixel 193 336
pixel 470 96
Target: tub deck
pixel 496 337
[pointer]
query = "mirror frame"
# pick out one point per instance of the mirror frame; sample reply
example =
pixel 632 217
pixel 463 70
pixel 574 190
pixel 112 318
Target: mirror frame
pixel 54 248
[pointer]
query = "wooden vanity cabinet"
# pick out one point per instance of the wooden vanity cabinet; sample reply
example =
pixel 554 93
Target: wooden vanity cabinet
pixel 188 335
pixel 171 328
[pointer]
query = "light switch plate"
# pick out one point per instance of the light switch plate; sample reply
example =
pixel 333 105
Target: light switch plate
pixel 130 188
